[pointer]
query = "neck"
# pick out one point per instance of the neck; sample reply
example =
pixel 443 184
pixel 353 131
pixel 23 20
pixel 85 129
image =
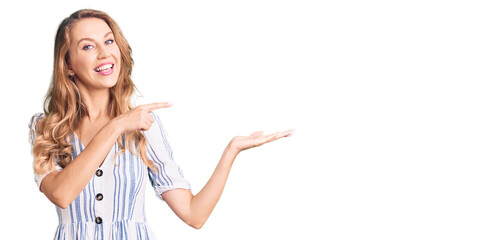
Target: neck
pixel 97 103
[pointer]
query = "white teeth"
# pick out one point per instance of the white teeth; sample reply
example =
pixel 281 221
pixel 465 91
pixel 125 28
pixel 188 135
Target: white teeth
pixel 103 67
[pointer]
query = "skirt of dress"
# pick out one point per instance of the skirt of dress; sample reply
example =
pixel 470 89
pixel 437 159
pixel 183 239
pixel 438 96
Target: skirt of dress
pixel 119 230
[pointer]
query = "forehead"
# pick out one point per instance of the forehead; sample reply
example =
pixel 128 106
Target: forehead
pixel 93 28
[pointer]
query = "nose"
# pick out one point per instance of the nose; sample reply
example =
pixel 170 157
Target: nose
pixel 103 53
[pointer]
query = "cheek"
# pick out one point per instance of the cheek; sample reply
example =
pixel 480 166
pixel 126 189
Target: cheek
pixel 117 54
pixel 80 63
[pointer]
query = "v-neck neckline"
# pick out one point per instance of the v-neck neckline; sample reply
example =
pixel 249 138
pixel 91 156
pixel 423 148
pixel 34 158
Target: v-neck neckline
pixel 78 140
pixel 82 144
pixel 82 147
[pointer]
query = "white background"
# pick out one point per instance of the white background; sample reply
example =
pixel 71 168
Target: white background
pixel 397 107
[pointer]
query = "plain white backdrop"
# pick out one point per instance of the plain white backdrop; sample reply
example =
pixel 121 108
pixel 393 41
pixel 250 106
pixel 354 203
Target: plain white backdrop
pixel 397 107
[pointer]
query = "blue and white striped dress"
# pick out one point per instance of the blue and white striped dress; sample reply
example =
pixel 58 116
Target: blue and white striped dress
pixel 112 205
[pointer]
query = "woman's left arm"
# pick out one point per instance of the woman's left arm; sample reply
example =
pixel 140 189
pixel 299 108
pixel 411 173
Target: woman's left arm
pixel 195 210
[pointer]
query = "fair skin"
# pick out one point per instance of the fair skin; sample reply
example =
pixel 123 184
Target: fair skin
pixel 92 44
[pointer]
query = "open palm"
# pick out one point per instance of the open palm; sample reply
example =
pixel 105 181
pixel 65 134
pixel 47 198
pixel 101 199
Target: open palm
pixel 256 139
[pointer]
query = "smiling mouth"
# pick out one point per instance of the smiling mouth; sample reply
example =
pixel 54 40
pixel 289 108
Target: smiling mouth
pixel 104 67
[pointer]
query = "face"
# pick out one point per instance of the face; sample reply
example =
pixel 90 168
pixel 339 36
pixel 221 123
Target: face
pixel 94 55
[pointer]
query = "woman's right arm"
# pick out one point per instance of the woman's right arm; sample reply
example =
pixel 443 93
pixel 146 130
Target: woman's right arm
pixel 62 187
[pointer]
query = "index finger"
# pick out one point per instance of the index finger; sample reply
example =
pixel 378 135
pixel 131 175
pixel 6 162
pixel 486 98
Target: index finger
pixel 153 106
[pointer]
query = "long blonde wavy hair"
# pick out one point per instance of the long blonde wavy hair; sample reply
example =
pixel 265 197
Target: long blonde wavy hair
pixel 64 107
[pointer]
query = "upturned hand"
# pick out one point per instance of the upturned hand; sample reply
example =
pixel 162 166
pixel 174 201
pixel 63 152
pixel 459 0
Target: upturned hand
pixel 240 143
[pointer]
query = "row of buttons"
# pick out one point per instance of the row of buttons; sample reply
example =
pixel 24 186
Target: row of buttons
pixel 99 196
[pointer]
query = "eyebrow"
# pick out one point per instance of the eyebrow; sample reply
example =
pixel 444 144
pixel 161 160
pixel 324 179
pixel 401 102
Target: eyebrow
pixel 90 39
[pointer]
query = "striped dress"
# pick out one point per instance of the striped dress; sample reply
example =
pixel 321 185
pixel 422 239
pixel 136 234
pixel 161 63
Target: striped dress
pixel 112 205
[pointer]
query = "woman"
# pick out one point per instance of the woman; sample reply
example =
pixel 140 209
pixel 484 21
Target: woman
pixel 93 151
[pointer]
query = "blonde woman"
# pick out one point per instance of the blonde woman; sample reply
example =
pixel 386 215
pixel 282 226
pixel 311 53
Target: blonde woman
pixel 94 152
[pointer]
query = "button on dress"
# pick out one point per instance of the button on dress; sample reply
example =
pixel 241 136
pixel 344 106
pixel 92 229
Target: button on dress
pixel 112 205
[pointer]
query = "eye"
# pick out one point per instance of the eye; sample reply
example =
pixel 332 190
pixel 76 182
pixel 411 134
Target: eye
pixel 87 47
pixel 110 41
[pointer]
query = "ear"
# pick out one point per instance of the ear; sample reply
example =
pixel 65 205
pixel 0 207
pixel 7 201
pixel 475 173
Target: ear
pixel 70 70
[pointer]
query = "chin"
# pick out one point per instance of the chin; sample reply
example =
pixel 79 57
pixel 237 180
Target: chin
pixel 111 83
pixel 111 80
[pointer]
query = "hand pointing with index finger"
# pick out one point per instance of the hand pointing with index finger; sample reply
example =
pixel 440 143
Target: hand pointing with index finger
pixel 153 106
pixel 139 118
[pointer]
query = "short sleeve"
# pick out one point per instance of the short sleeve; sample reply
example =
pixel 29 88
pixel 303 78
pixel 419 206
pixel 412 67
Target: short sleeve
pixel 33 133
pixel 169 175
